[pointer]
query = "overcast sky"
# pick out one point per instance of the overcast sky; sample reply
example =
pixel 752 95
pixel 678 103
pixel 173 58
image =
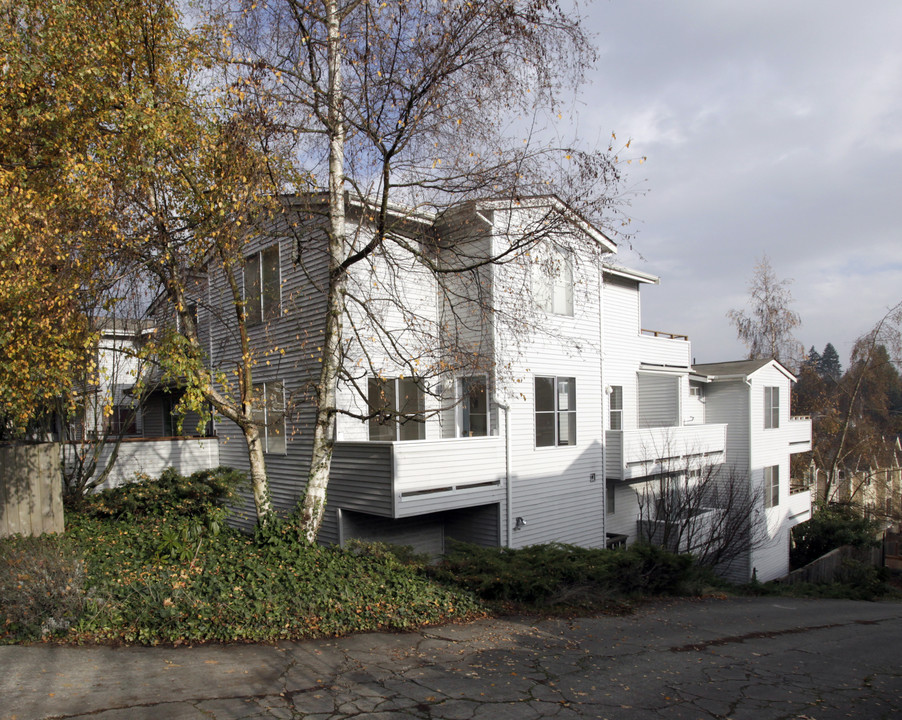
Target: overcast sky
pixel 770 126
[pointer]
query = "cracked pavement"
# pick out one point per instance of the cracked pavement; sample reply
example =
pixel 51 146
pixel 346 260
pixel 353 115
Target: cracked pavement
pixel 755 658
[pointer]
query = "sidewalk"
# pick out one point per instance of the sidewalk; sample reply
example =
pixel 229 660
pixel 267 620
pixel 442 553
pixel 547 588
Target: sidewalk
pixel 755 658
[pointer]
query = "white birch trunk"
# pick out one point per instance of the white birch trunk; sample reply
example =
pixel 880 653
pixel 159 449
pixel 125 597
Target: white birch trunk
pixel 259 483
pixel 324 429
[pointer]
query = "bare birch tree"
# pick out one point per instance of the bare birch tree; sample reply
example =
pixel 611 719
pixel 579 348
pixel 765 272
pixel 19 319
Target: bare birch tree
pixel 411 109
pixel 767 325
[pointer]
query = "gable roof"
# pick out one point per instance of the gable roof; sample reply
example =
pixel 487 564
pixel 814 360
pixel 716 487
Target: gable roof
pixel 738 369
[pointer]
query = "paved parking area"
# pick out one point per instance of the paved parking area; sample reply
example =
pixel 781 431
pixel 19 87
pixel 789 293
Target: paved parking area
pixel 715 658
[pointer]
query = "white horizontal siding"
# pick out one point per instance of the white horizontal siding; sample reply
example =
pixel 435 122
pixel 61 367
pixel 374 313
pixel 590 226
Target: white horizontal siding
pixel 430 465
pixel 151 457
pixel 663 351
pixel 557 491
pixel 650 450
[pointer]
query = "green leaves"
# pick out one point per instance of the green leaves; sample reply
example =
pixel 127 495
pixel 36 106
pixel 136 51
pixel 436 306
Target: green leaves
pixel 160 566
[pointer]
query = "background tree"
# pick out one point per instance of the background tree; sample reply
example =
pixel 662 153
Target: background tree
pixel 856 416
pixel 425 105
pixel 812 360
pixel 766 327
pixel 828 364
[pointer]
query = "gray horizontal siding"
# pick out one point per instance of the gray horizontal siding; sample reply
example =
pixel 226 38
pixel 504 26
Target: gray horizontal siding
pixel 361 478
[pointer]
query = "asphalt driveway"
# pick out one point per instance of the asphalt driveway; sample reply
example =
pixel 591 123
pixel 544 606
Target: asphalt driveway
pixel 714 658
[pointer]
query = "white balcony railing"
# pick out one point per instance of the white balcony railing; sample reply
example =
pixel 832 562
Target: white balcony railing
pixel 428 466
pixel 667 351
pixel 647 451
pixel 798 433
pixel 799 510
pixel 402 479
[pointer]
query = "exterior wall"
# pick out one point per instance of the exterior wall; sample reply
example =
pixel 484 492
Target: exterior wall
pixel 694 405
pixel 620 298
pixel 429 534
pixel 750 449
pixel 285 349
pixel 770 447
pixel 659 400
pixel 558 491
pixel 728 402
pixel 502 488
pixel 151 457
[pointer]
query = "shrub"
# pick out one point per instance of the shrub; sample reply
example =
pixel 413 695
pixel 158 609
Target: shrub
pixel 236 588
pixel 42 582
pixel 544 575
pixel 203 494
pixel 830 527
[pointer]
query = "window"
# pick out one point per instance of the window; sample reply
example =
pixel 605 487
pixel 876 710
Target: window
pixel 616 408
pixel 696 391
pixel 262 290
pixel 772 486
pixel 398 404
pixel 555 402
pixel 610 494
pixel 553 283
pixel 269 415
pixel 771 407
pixel 474 407
pixel 123 420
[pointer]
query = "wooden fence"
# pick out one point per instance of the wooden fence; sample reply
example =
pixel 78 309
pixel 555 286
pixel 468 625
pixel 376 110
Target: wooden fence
pixel 826 568
pixel 31 501
pixel 892 549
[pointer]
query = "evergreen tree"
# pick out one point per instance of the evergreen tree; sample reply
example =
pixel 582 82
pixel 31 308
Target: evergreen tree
pixel 829 365
pixel 813 361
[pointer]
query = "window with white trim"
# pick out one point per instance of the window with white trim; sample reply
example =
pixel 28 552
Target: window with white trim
pixel 771 407
pixel 269 415
pixel 474 407
pixel 262 286
pixel 772 486
pixel 555 410
pixel 615 414
pixel 553 282
pixel 397 406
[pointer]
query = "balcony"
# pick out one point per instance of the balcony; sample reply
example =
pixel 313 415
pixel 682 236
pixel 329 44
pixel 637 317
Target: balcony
pixel 664 349
pixel 799 434
pixel 633 454
pixel 401 479
pixel 799 510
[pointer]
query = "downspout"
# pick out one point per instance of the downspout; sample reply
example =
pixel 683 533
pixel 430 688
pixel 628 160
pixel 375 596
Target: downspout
pixel 210 343
pixel 605 399
pixel 753 570
pixel 508 491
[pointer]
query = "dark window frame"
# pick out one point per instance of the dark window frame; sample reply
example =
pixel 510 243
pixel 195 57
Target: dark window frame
pixel 555 426
pixel 771 407
pixel 263 285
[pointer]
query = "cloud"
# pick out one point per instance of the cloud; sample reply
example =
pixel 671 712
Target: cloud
pixel 769 127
